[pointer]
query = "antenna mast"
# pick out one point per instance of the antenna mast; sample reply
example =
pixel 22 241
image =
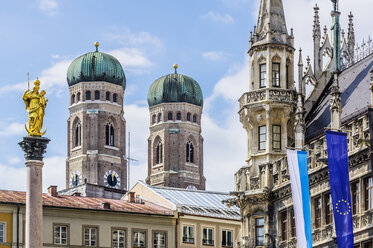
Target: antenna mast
pixel 129 162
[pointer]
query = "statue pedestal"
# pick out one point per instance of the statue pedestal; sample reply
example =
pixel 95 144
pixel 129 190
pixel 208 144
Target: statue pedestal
pixel 34 148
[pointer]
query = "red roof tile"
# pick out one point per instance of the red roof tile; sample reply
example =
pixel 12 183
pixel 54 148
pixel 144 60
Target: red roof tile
pixel 80 202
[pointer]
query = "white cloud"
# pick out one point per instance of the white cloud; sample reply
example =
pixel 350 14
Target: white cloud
pixel 132 59
pixel 52 79
pixel 48 6
pixel 230 87
pixel 14 178
pixel 215 56
pixel 137 119
pixel 54 171
pixel 14 128
pixel 14 160
pixel 127 38
pixel 217 17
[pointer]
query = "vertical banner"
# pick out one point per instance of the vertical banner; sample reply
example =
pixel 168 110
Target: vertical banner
pixel 340 187
pixel 298 170
pixel 370 116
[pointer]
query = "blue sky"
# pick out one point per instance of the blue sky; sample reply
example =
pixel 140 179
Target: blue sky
pixel 208 39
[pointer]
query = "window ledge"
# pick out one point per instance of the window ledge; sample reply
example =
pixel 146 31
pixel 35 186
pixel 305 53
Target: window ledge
pixel 112 147
pixel 76 148
pixel 191 164
pixel 158 166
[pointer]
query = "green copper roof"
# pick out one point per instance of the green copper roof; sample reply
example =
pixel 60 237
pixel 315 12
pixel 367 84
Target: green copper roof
pixel 96 66
pixel 175 88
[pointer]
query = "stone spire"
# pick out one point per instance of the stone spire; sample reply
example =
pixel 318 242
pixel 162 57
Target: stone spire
pixel 336 29
pixel 316 42
pixel 351 35
pixel 271 22
pixel 300 125
pixel 300 73
pixel 335 105
pixel 316 23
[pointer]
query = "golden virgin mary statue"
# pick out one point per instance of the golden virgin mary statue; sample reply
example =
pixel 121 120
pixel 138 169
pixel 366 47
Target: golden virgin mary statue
pixel 35 105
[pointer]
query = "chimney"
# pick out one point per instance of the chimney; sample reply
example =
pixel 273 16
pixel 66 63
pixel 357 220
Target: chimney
pixel 52 191
pixel 131 197
pixel 106 205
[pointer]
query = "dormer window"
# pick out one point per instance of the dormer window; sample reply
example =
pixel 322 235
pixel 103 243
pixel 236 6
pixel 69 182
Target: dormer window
pixel 159 153
pixel 109 134
pixel 97 95
pixel 263 75
pixel 275 74
pixel 190 152
pixel 78 131
pixel 73 99
pixel 262 137
pixel 88 95
pixel 170 117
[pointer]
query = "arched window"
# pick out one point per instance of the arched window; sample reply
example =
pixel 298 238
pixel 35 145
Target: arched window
pixel 97 95
pixel 115 96
pixel 154 119
pixel 159 153
pixel 170 116
pixel 78 134
pixel 108 96
pixel 88 95
pixel 195 118
pixel 178 116
pixel 188 117
pixel 190 152
pixel 109 134
pixel 73 99
pixel 78 97
pixel 159 117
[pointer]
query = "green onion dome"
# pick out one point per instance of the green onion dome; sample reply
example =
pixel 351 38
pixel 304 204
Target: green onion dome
pixel 175 88
pixel 96 66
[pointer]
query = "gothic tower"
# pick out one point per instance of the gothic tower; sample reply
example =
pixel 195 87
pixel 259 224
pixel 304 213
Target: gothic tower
pixel 96 163
pixel 267 113
pixel 175 144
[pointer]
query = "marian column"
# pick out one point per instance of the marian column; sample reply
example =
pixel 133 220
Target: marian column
pixel 34 147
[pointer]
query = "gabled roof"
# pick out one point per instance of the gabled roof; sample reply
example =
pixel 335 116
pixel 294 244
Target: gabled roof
pixel 86 203
pixel 197 202
pixel 354 85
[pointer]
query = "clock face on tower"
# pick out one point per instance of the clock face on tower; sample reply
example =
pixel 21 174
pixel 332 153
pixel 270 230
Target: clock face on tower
pixel 75 178
pixel 112 179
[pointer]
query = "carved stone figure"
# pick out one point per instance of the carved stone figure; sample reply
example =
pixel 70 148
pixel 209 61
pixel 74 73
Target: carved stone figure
pixel 35 106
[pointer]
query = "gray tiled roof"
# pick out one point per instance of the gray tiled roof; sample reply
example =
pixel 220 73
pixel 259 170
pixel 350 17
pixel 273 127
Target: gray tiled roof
pixel 354 84
pixel 199 202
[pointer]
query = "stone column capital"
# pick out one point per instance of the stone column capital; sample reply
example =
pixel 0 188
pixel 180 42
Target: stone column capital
pixel 34 147
pixel 38 163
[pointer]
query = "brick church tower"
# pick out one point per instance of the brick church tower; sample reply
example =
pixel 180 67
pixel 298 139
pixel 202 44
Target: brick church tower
pixel 175 144
pixel 96 163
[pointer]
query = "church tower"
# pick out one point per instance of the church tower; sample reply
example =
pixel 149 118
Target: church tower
pixel 267 113
pixel 175 144
pixel 96 164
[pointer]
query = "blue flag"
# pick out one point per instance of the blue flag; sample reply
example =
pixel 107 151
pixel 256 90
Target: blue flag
pixel 340 187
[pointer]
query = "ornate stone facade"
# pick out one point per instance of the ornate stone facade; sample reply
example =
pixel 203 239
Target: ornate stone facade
pixel 262 187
